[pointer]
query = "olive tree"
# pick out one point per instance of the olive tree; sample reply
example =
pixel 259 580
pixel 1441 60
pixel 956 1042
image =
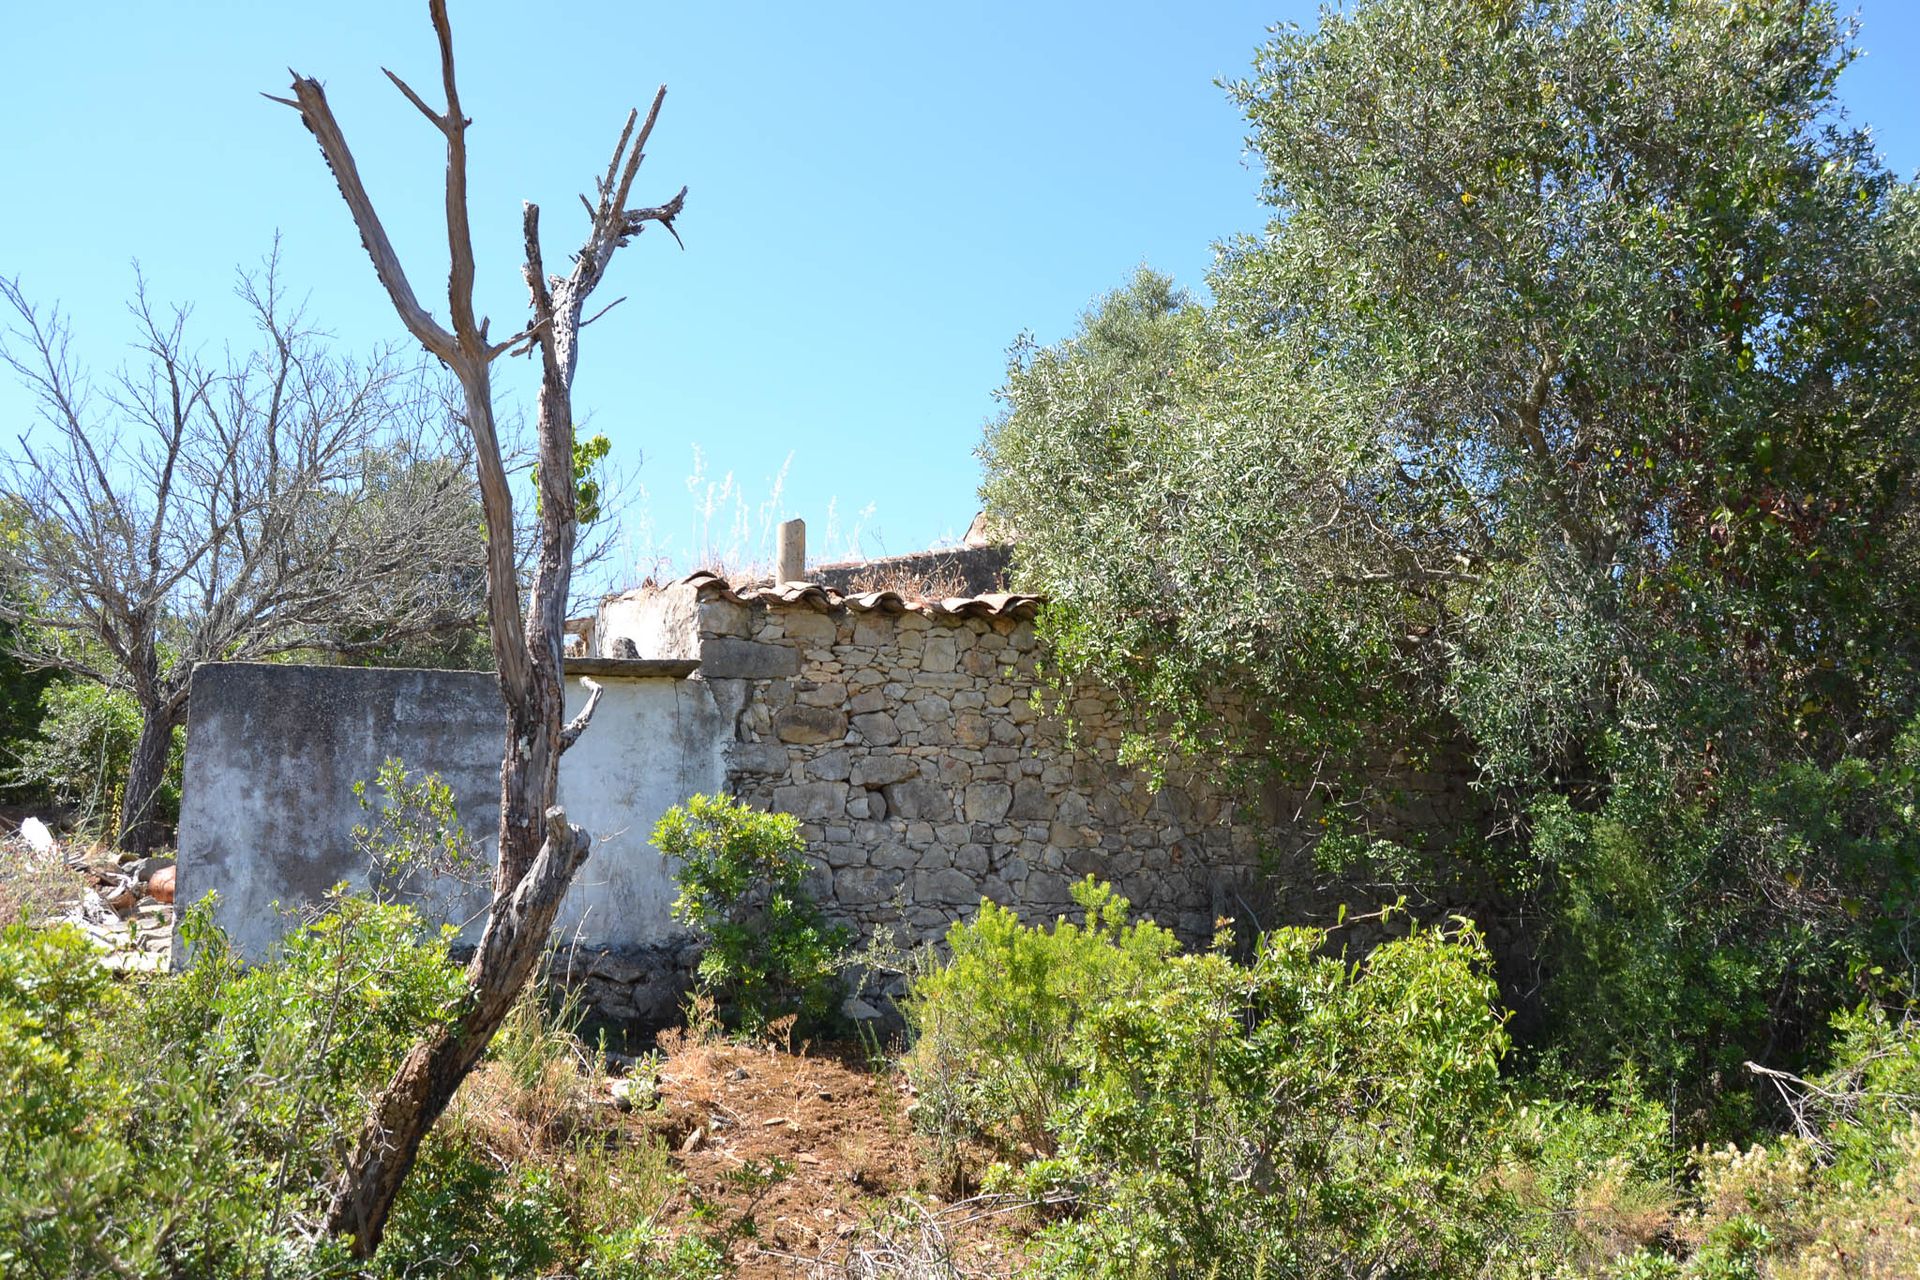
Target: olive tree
pixel 1565 410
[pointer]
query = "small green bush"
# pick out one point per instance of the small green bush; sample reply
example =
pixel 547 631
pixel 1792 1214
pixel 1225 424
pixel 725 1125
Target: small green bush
pixel 994 1027
pixel 768 950
pixel 1299 1116
pixel 216 1102
pixel 415 845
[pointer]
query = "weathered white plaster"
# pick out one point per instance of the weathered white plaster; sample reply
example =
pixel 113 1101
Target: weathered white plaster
pixel 268 811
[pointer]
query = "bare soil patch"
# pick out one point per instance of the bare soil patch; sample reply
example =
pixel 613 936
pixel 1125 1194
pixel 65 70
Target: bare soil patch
pixel 812 1156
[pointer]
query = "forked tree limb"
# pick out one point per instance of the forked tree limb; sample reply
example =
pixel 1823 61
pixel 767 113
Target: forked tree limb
pixel 539 850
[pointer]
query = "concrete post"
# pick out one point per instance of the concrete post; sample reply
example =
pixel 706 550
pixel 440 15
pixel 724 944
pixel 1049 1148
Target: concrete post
pixel 790 552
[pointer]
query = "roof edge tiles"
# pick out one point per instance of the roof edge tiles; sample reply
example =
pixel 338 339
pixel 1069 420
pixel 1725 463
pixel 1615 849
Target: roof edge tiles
pixel 996 604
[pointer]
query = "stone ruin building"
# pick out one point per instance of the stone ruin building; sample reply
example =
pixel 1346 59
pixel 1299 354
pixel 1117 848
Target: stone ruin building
pixel 912 737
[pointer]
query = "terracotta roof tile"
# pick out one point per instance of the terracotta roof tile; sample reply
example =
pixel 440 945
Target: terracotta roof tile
pixel 996 604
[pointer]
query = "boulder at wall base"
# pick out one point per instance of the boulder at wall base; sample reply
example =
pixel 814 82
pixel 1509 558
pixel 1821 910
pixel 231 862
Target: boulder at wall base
pixel 160 888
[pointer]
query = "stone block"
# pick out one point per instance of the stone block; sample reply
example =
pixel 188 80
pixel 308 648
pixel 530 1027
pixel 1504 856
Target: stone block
pixel 988 801
pixel 868 700
pixel 939 654
pixel 805 724
pixel 757 757
pixel 724 618
pixel 809 627
pixel 866 886
pixel 724 657
pixel 970 729
pixel 919 799
pixel 894 857
pixel 827 693
pixel 881 770
pixel 1030 802
pixel 830 766
pixel 878 728
pixel 812 800
pixel 947 887
pixel 980 663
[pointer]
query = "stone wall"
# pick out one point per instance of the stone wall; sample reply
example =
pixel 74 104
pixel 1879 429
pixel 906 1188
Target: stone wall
pixel 927 762
pixel 911 740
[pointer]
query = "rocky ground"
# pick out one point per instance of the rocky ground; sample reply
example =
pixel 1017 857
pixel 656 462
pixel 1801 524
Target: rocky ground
pixel 126 907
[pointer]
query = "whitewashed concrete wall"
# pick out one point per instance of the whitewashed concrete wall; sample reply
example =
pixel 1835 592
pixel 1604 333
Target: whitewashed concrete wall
pixel 268 810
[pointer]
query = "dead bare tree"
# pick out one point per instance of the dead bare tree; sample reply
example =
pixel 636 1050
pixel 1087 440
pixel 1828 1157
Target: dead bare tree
pixel 539 849
pixel 286 498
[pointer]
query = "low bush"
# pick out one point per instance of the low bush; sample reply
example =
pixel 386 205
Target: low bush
pixel 190 1126
pixel 1299 1115
pixel 994 1027
pixel 768 950
pixel 1308 1115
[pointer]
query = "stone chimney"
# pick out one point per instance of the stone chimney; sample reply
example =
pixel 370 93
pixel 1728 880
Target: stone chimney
pixel 790 552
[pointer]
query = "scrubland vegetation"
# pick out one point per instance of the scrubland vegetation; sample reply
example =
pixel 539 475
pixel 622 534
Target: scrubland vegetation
pixel 1563 422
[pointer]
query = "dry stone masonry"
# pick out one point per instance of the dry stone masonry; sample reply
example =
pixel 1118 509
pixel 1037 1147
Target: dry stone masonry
pixel 929 763
pixel 930 769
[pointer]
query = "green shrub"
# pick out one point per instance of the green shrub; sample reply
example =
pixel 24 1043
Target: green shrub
pixel 190 1126
pixel 84 749
pixel 416 847
pixel 1300 1115
pixel 768 950
pixel 994 1026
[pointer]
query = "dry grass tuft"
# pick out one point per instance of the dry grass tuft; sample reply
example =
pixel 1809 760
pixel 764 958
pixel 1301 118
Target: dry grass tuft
pixel 35 887
pixel 937 583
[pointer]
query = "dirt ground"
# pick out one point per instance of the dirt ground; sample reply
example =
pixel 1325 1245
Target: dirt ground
pixel 849 1178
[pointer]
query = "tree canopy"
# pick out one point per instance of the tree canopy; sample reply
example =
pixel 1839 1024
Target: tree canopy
pixel 1564 410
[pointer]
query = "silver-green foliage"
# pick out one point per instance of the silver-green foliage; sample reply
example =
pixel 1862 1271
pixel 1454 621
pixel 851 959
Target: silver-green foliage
pixel 1298 1113
pixel 1563 412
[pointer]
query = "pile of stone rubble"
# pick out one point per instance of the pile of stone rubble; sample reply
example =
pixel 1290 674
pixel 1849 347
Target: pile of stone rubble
pixel 127 907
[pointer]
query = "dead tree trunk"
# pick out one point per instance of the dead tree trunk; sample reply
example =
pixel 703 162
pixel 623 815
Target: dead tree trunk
pixel 539 849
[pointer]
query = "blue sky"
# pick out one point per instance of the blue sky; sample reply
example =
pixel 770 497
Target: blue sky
pixel 882 198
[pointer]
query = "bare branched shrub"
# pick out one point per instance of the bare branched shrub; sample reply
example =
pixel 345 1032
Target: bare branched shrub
pixel 910 1242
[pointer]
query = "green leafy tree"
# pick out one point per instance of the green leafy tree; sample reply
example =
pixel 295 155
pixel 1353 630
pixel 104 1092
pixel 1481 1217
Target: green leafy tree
pixel 1565 411
pixel 21 682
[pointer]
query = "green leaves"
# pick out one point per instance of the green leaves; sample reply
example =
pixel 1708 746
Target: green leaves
pixel 768 951
pixel 587 456
pixel 1298 1113
pixel 1564 411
